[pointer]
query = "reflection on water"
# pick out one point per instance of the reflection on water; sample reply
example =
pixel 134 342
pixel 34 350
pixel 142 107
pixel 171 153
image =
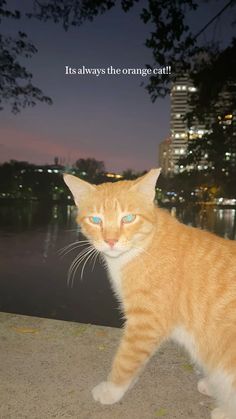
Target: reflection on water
pixel 216 220
pixel 33 278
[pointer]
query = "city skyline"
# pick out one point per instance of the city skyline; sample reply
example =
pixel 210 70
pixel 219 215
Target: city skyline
pixel 110 118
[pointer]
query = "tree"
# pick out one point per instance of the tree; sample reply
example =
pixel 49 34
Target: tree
pixel 16 88
pixel 90 168
pixel 216 152
pixel 130 174
pixel 171 40
pixel 22 180
pixel 215 78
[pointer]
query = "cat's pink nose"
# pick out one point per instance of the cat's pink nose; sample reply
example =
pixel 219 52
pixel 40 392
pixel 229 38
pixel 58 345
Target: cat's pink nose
pixel 111 242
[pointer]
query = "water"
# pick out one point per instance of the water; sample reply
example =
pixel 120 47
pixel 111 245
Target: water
pixel 217 220
pixel 33 277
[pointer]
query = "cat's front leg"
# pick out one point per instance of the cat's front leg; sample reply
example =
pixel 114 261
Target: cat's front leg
pixel 108 392
pixel 137 345
pixel 203 387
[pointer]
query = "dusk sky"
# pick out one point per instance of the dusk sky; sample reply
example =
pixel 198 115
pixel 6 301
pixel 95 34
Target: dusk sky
pixel 110 118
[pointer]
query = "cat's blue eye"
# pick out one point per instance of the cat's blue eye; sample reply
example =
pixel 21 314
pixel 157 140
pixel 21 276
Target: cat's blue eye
pixel 129 218
pixel 95 220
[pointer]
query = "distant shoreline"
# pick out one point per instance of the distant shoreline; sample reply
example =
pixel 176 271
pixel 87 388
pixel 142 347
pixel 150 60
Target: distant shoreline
pixel 200 204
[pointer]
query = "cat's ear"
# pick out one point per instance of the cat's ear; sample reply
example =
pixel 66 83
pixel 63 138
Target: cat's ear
pixel 146 184
pixel 78 187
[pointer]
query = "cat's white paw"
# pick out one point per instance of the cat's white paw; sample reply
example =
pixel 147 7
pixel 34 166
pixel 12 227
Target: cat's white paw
pixel 218 414
pixel 108 393
pixel 203 387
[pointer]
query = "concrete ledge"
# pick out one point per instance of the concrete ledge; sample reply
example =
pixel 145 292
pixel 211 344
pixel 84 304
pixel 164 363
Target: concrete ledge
pixel 48 368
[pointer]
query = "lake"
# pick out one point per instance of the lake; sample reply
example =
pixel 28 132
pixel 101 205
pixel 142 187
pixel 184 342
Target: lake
pixel 33 276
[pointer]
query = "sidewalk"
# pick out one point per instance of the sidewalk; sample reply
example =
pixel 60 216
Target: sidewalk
pixel 48 368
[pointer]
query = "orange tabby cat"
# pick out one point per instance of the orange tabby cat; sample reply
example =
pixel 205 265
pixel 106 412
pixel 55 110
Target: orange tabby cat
pixel 173 281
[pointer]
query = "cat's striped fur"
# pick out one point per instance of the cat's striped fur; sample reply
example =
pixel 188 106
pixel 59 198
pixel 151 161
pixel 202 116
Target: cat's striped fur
pixel 173 281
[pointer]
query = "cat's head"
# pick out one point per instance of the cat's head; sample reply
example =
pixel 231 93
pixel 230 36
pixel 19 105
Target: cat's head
pixel 115 217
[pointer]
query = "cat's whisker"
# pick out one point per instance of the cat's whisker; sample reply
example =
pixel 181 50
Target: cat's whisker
pixel 78 243
pixel 102 260
pixel 80 255
pixel 71 244
pixel 89 256
pixel 85 257
pixel 65 252
pixel 78 260
pixel 75 262
pixel 95 256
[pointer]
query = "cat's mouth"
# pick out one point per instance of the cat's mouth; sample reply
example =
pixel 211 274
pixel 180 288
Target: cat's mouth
pixel 129 250
pixel 113 251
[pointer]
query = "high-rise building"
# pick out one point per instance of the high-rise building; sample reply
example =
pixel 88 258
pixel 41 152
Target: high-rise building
pixel 181 131
pixel 229 120
pixel 165 152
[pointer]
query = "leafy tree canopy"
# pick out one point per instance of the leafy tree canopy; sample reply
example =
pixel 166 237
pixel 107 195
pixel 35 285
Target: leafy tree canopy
pixel 16 86
pixel 216 153
pixel 215 78
pixel 90 167
pixel 171 42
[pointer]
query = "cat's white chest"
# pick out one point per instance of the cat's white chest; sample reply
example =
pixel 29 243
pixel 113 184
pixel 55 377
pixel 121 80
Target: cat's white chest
pixel 114 267
pixel 185 339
